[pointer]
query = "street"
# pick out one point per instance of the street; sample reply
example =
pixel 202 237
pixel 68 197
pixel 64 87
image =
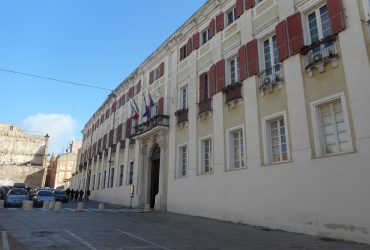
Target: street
pixel 122 228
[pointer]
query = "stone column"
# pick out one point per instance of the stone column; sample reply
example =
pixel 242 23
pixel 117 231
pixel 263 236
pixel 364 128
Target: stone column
pixel 160 199
pixel 142 174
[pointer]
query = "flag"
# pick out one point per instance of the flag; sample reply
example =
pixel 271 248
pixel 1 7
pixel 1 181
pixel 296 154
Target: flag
pixel 151 101
pixel 147 110
pixel 134 110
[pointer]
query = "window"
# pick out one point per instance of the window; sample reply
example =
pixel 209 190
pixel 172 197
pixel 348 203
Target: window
pixel 236 154
pixel 207 92
pixel 319 24
pixel 206 155
pixel 234 70
pixel 111 177
pixel 156 74
pixel 99 176
pixel 93 185
pixel 184 52
pixel 271 56
pixel 231 16
pixel 131 174
pixel 121 176
pixel 277 140
pixel 11 128
pixel 184 97
pixel 104 178
pixel 182 161
pixel 204 37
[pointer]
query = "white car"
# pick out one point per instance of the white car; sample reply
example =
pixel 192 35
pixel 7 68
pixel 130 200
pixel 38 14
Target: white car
pixel 41 196
pixel 15 197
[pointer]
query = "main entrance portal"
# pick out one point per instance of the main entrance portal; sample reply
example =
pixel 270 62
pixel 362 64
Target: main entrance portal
pixel 154 174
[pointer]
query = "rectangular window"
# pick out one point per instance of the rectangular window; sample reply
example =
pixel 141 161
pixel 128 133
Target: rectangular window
pixel 182 161
pixel 93 185
pixel 278 140
pixel 237 149
pixel 271 56
pixel 319 24
pixel 99 176
pixel 121 176
pixel 104 178
pixel 111 177
pixel 234 70
pixel 184 97
pixel 131 173
pixel 206 155
pixel 207 92
pixel 231 16
pixel 156 74
pixel 204 37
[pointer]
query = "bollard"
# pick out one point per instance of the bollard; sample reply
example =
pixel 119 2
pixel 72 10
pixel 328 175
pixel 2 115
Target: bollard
pixel 101 207
pixel 80 207
pixel 27 205
pixel 45 205
pixel 147 208
pixel 51 205
pixel 58 206
pixel 1 203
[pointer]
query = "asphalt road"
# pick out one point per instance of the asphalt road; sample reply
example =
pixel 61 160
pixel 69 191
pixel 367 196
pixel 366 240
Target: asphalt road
pixel 122 228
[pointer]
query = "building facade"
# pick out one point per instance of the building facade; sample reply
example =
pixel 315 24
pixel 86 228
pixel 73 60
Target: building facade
pixel 23 156
pixel 260 115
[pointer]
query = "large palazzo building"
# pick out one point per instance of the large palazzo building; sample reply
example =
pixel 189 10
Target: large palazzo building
pixel 260 115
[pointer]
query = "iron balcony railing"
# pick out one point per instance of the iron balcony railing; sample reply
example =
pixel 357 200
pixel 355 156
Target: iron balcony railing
pixel 271 76
pixel 205 106
pixel 321 52
pixel 158 120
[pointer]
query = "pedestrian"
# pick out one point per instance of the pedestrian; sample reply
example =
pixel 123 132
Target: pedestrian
pixel 68 192
pixel 72 195
pixel 87 194
pixel 81 194
pixel 76 194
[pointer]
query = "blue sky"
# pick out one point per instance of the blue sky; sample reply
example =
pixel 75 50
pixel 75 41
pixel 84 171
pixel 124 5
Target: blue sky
pixel 85 41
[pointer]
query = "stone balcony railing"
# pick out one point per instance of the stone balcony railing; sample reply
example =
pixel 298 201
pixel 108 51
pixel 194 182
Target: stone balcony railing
pixel 205 106
pixel 182 115
pixel 233 92
pixel 158 120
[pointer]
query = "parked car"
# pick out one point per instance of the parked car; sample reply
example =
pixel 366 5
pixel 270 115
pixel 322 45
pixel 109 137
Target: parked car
pixel 60 195
pixel 19 185
pixel 2 193
pixel 6 189
pixel 15 197
pixel 41 196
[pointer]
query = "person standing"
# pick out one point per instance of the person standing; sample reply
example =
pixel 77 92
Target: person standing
pixel 68 192
pixel 88 194
pixel 76 194
pixel 81 194
pixel 72 195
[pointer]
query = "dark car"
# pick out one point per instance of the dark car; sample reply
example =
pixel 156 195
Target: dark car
pixel 2 193
pixel 6 189
pixel 60 195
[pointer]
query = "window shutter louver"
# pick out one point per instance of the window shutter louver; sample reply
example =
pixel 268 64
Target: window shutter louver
pixel 336 15
pixel 219 22
pixel 243 62
pixel 202 81
pixel 110 140
pixel 196 41
pixel 211 29
pixel 282 41
pixel 105 142
pixel 249 4
pixel 128 128
pixel 151 77
pixel 161 69
pixel 295 33
pixel 239 7
pixel 190 46
pixel 220 73
pixel 160 106
pixel 252 56
pixel 212 79
pixel 119 132
pixel 139 86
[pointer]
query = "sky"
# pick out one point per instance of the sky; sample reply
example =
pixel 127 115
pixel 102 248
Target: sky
pixel 92 42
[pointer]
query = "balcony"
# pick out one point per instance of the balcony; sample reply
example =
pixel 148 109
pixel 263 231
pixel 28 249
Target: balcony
pixel 233 92
pixel 156 121
pixel 182 115
pixel 205 106
pixel 319 53
pixel 271 77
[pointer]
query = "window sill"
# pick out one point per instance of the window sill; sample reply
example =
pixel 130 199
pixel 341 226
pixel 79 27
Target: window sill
pixel 205 173
pixel 277 163
pixel 235 169
pixel 181 177
pixel 333 155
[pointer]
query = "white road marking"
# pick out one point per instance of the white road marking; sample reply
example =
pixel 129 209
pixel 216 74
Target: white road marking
pixel 4 239
pixel 147 241
pixel 78 238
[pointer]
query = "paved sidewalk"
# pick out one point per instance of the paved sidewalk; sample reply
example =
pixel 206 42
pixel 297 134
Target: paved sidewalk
pixel 40 229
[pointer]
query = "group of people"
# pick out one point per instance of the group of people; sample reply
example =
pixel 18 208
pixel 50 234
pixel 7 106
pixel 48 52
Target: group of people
pixel 75 194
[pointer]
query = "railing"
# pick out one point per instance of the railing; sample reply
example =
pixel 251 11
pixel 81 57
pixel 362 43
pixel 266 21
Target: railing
pixel 182 115
pixel 205 106
pixel 322 51
pixel 158 120
pixel 271 76
pixel 233 92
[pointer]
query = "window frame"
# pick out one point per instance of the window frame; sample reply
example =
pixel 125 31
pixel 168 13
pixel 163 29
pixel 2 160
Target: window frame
pixel 120 180
pixel 181 99
pixel 111 181
pixel 266 137
pixel 307 33
pixel 201 169
pixel 236 66
pixel 233 11
pixel 202 40
pixel 230 146
pixel 130 173
pixel 178 170
pixel 315 114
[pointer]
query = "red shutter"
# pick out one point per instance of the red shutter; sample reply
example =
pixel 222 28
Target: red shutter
pixel 196 41
pixel 151 77
pixel 239 7
pixel 211 29
pixel 282 41
pixel 119 132
pixel 138 86
pixel 110 140
pixel 295 33
pixel 336 15
pixel 131 92
pixel 243 62
pixel 161 69
pixel 249 4
pixel 128 128
pixel 202 81
pixel 105 141
pixel 160 106
pixel 252 57
pixel 114 107
pixel 219 22
pixel 182 53
pixel 190 46
pixel 212 79
pixel 220 75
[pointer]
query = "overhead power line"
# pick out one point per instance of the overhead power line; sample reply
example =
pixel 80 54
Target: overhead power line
pixel 56 80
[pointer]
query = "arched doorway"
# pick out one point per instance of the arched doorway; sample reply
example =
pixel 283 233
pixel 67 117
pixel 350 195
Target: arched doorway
pixel 154 174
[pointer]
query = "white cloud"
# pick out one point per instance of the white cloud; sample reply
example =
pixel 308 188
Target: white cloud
pixel 60 127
